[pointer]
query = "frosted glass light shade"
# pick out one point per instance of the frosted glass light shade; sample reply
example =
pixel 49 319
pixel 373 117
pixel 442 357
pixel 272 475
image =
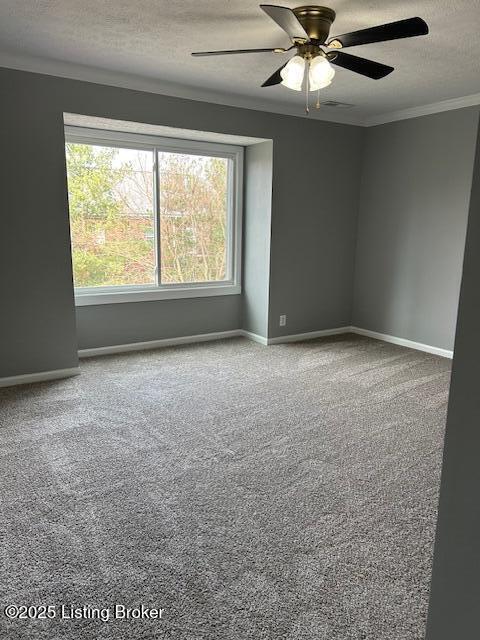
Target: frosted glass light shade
pixel 321 73
pixel 293 72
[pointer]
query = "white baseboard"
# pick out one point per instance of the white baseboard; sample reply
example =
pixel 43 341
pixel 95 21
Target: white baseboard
pixel 445 353
pixel 41 376
pixel 311 335
pixel 222 335
pixel 157 344
pixel 58 374
pixel 254 337
pixel 403 342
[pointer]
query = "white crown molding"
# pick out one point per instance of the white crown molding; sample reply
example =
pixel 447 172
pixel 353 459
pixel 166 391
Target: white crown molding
pixel 424 110
pixel 151 85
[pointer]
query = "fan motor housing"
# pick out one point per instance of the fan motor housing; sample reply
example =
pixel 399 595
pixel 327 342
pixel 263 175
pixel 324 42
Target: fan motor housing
pixel 316 21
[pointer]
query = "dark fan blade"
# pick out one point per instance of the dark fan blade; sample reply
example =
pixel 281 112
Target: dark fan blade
pixel 287 20
pixel 392 31
pixel 374 70
pixel 226 53
pixel 275 78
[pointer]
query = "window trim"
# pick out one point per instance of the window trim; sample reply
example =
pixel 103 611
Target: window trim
pixel 142 293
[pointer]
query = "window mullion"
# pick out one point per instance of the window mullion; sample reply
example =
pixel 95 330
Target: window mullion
pixel 156 206
pixel 231 230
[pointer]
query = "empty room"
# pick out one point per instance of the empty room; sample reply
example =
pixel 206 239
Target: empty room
pixel 239 345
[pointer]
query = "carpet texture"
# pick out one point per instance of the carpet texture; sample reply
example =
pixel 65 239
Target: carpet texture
pixel 284 492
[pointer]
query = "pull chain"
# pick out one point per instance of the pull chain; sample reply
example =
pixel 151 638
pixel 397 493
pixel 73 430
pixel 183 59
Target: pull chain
pixel 307 87
pixel 317 106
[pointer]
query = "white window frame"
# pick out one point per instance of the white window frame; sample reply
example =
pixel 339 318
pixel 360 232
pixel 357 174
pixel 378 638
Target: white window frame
pixel 141 293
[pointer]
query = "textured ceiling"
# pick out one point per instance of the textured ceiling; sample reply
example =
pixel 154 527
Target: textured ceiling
pixel 150 40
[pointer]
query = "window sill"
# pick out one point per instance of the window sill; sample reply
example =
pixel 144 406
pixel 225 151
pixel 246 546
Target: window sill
pixel 88 298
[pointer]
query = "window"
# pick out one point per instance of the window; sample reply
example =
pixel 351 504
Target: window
pixel 152 218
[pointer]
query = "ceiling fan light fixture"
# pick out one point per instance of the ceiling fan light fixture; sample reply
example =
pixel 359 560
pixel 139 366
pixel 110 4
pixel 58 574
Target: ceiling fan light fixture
pixel 293 72
pixel 308 30
pixel 321 73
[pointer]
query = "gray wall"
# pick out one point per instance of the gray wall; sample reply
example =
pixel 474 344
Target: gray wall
pixel 414 195
pixel 412 222
pixel 37 321
pixel 38 329
pixel 455 592
pixel 123 323
pixel 315 204
pixel 256 237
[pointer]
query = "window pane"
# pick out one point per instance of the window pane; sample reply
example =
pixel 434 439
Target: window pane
pixel 112 223
pixel 193 217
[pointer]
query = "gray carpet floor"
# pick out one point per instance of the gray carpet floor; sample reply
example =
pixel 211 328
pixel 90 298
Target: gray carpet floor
pixel 284 492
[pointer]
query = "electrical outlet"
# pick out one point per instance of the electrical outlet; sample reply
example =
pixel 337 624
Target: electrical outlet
pixel 283 321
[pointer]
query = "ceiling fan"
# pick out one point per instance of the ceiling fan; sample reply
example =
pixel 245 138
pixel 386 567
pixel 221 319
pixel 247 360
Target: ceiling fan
pixel 308 28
